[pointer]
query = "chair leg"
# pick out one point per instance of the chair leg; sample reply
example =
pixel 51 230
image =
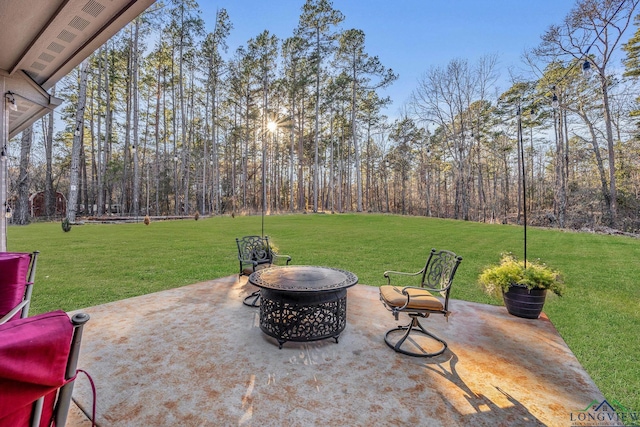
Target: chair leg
pixel 252 300
pixel 414 326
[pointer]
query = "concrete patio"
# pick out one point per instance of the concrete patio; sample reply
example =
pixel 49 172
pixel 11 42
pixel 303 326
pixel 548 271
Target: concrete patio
pixel 195 356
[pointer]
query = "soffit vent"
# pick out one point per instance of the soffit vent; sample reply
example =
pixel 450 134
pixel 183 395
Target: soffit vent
pixel 93 8
pixel 78 23
pixel 46 57
pixel 66 36
pixel 55 47
pixel 38 66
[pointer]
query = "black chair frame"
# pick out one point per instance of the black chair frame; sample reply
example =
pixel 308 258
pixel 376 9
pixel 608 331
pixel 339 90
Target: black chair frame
pixel 436 278
pixel 255 252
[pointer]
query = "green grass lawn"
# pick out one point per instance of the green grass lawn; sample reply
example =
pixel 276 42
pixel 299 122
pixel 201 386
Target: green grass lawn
pixel 599 317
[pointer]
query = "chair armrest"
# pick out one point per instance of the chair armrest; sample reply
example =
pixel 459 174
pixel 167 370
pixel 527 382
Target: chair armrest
pixel 13 312
pixel 388 274
pixel 285 257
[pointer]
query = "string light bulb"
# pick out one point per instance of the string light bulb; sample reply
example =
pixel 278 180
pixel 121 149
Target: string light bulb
pixel 12 101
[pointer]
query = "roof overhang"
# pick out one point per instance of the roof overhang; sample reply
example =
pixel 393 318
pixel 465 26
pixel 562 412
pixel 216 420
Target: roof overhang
pixel 42 41
pixel 30 101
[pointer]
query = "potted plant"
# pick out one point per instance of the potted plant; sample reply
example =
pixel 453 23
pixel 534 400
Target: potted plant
pixel 66 225
pixel 523 289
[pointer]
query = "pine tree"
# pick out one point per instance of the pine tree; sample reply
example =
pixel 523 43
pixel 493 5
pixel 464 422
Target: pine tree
pixel 632 63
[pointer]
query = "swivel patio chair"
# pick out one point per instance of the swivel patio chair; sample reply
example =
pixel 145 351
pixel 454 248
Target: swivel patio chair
pixel 38 360
pixel 255 253
pixel 431 296
pixel 17 273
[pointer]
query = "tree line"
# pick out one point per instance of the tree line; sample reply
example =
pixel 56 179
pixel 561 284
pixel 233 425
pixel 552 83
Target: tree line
pixel 165 120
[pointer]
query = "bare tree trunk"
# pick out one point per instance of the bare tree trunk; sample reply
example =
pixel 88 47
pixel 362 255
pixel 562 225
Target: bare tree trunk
pixel 355 140
pixel 565 129
pixel 99 176
pixel 331 164
pixel 126 155
pixel 427 195
pixel 183 126
pixel 78 131
pixel 108 124
pixel 174 135
pixel 102 149
pixel 186 151
pixel 531 198
pixel 134 94
pixel 292 138
pixel 156 162
pixel 49 193
pixel 560 196
pixel 301 161
pixel 145 162
pixel 340 172
pixel 205 154
pixel 84 182
pixel 21 216
pixel 216 205
pixel 613 209
pixel 94 167
pixel 596 151
pixel 317 125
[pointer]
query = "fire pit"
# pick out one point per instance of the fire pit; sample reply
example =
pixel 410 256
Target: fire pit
pixel 303 303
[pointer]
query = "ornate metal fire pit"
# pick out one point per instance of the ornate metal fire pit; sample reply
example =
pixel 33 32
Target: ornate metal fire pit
pixel 303 303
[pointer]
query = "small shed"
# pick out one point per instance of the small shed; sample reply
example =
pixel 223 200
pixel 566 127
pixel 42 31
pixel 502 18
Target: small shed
pixel 37 205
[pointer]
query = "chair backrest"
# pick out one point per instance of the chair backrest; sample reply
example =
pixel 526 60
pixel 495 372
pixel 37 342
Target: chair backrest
pixel 439 271
pixel 38 360
pixel 17 273
pixel 255 248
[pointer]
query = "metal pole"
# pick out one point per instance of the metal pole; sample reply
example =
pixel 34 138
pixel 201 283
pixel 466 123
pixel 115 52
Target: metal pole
pixel 4 140
pixel 264 177
pixel 524 189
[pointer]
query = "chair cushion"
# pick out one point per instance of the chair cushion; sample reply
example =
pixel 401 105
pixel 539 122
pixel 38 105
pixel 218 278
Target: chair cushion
pixel 14 267
pixel 420 299
pixel 33 361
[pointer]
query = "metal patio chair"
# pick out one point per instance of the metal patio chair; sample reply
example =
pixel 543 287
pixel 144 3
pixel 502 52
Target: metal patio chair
pixel 255 253
pixel 431 296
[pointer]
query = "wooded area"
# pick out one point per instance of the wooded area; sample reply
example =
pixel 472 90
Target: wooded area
pixel 165 120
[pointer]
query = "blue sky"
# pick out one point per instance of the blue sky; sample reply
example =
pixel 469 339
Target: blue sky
pixel 411 36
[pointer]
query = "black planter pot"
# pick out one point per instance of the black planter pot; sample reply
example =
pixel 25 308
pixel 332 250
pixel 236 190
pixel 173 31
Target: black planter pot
pixel 523 302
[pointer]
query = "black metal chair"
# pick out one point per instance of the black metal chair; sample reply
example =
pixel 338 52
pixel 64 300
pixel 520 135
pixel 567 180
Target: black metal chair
pixel 431 296
pixel 255 253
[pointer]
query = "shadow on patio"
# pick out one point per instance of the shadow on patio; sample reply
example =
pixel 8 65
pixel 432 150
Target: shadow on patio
pixel 195 356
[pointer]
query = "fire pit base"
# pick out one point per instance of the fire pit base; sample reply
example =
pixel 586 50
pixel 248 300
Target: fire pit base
pixel 303 303
pixel 288 316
